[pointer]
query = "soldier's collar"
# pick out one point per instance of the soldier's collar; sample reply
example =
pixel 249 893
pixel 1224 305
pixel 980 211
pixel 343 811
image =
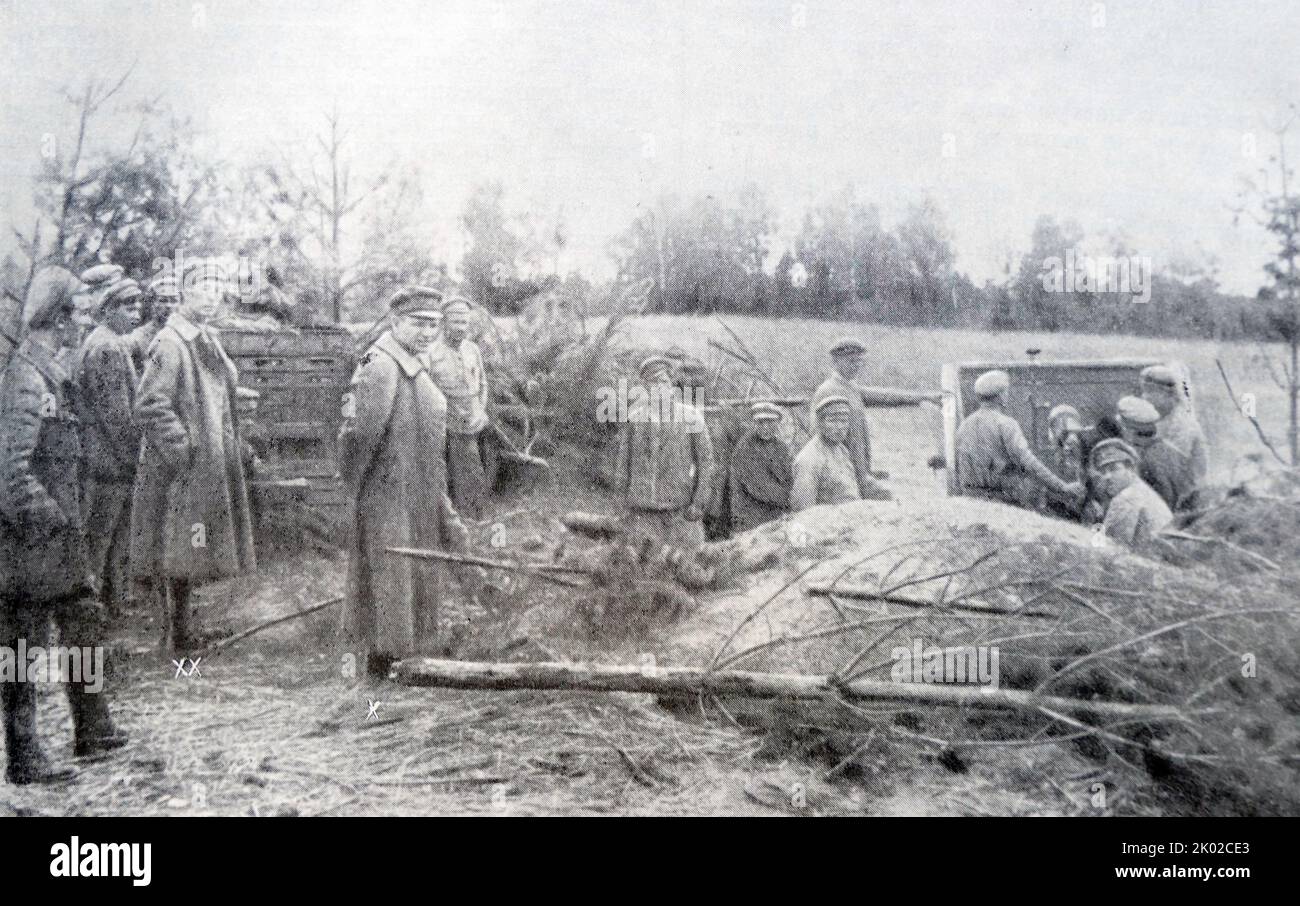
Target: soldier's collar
pixel 45 360
pixel 410 364
pixel 187 329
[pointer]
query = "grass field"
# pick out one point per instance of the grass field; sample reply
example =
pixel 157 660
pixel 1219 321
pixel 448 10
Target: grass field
pixel 794 351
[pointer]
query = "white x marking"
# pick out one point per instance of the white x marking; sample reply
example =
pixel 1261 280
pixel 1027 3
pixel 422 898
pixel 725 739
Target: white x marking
pixel 374 709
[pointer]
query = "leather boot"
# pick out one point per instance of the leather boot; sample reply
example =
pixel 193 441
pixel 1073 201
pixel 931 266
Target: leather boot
pixel 92 725
pixel 25 760
pixel 176 634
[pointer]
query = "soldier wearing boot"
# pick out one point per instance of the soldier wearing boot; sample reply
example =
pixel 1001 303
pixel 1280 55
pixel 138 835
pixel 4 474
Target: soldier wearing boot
pixel 190 516
pixel 43 562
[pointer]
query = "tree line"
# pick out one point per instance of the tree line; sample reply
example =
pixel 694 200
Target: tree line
pixel 139 187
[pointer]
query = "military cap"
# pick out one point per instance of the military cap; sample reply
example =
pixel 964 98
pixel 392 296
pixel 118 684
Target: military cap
pixel 653 361
pixel 1113 450
pixel 830 401
pixel 164 285
pixel 119 292
pixel 848 346
pixel 764 411
pixel 420 301
pixel 1162 375
pixel 991 383
pixel 1137 412
pixel 456 303
pixel 1064 410
pixel 102 275
pixel 52 289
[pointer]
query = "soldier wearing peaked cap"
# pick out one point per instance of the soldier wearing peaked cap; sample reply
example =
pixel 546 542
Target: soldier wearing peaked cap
pixel 43 564
pixel 1162 388
pixel 456 366
pixel 993 454
pixel 665 462
pixel 107 378
pixel 847 356
pixel 390 458
pixel 1134 512
pixel 824 470
pixel 1168 471
pixel 761 471
pixel 190 516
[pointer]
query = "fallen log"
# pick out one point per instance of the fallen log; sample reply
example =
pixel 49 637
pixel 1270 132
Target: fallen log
pixel 577 677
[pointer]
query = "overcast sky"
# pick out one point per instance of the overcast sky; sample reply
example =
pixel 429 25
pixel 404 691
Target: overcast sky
pixel 1125 116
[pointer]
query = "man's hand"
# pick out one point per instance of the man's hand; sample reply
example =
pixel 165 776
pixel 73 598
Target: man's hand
pixel 693 513
pixel 1076 491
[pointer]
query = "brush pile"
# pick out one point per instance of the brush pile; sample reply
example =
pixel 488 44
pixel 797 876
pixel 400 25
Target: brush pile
pixel 639 584
pixel 858 591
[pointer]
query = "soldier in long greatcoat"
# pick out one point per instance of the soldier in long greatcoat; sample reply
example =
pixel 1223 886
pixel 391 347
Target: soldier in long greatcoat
pixel 190 515
pixel 391 460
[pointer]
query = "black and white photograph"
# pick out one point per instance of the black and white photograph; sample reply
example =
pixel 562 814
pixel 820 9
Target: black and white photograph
pixel 734 408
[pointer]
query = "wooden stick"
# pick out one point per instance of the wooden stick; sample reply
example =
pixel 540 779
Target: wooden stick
pixel 240 636
pixel 433 672
pixel 545 571
pixel 1254 421
pixel 1248 554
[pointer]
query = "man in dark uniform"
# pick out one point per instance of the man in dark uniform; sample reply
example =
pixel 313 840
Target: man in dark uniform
pixel 761 472
pixel 43 566
pixel 1169 473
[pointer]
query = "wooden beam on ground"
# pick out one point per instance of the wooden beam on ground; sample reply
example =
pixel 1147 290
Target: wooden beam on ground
pixel 577 677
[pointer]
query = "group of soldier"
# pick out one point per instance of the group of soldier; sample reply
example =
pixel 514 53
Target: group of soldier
pixel 674 478
pixel 1128 474
pixel 121 468
pixel 124 470
pixel 124 474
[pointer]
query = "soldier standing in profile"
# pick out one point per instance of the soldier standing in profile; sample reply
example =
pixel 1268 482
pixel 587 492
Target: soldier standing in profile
pixel 456 365
pixel 43 565
pixel 107 379
pixel 190 516
pixel 1177 426
pixel 391 460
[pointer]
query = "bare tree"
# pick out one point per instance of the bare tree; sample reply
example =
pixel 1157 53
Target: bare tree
pixel 313 201
pixel 1279 213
